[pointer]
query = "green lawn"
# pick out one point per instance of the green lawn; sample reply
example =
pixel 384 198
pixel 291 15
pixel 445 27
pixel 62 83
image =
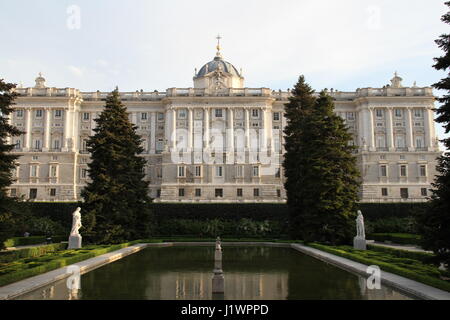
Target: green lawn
pixel 403 263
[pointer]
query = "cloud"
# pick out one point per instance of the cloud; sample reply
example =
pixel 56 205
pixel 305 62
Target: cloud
pixel 75 71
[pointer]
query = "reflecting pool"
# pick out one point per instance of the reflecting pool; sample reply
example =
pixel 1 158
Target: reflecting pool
pixel 251 273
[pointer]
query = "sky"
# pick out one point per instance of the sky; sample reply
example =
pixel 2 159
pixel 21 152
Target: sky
pixel 155 45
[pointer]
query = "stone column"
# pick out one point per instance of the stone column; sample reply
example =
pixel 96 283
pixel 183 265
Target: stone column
pixel 389 129
pixel 28 120
pixel 361 130
pixel 409 131
pixel 153 132
pixel 230 131
pixel 247 128
pixel 268 128
pixel 371 133
pixel 134 118
pixel 48 114
pixel 66 137
pixel 191 129
pixel 174 128
pixel 206 127
pixel 429 140
pixel 9 121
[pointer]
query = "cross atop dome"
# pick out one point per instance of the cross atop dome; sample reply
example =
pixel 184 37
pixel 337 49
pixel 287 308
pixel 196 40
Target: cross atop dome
pixel 218 54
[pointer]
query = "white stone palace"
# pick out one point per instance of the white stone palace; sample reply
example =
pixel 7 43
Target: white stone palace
pixel 220 141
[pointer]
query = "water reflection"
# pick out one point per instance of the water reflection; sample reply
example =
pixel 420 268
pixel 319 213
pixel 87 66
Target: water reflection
pixel 185 273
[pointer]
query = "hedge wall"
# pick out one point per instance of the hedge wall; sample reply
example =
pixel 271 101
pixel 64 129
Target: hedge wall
pixel 62 212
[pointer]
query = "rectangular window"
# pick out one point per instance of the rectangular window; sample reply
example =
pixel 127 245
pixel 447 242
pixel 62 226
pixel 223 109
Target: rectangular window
pixel 424 192
pixel 181 192
pixel 86 116
pixel 160 116
pixel 418 113
pixel 276 116
pixel 33 171
pixel 56 144
pixel 278 193
pixel 19 113
pixel 158 193
pixel 218 113
pixel 18 144
pixel 403 171
pixel 219 193
pixel 182 114
pixel 219 171
pixel 52 192
pixel 379 113
pixel 350 116
pixel 53 171
pixel 255 171
pixel 256 192
pixel 423 171
pixel 384 192
pixel 38 113
pixel 84 173
pixel 13 193
pixel 144 116
pixel 398 113
pixel 58 113
pixel 278 173
pixel 181 172
pixel 198 192
pixel 239 193
pixel 33 193
pixel 37 144
pixel 239 171
pixel 198 171
pixel 404 193
pixel 383 170
pixel 255 113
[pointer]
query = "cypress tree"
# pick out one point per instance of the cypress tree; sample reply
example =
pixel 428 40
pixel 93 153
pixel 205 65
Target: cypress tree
pixel 322 177
pixel 435 222
pixel 116 202
pixel 8 206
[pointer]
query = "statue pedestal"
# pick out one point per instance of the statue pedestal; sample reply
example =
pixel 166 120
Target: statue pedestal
pixel 359 243
pixel 218 285
pixel 75 242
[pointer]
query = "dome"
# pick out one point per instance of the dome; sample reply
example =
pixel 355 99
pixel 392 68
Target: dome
pixel 218 63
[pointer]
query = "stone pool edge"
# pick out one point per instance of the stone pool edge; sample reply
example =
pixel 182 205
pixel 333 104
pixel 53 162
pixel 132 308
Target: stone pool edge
pixel 400 283
pixel 408 286
pixel 21 287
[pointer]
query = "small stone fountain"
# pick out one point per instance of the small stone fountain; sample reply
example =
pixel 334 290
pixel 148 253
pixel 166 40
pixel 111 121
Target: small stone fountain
pixel 218 287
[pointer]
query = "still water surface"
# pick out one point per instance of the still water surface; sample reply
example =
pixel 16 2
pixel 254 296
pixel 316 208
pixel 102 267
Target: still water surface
pixel 251 273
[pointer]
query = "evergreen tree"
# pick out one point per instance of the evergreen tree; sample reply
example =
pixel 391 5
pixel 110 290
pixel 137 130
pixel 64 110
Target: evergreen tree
pixel 116 206
pixel 322 179
pixel 8 206
pixel 435 223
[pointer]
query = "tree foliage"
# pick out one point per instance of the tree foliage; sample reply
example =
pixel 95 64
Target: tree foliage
pixel 435 223
pixel 322 179
pixel 9 214
pixel 117 205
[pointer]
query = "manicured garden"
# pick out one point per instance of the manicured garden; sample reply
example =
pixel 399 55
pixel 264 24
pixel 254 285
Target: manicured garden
pixel 412 265
pixel 21 264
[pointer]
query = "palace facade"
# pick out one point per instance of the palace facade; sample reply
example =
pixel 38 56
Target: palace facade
pixel 220 141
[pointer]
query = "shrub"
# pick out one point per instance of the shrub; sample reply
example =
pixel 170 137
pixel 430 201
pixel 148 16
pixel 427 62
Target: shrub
pixel 400 238
pixel 8 256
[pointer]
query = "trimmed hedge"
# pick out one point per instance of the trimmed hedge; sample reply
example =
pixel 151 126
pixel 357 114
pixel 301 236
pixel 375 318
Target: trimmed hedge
pixel 399 238
pixel 8 256
pixel 25 268
pixel 62 211
pixel 416 255
pixel 28 241
pixel 408 268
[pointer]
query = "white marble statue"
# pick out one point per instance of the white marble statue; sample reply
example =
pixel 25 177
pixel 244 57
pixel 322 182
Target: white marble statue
pixel 75 237
pixel 360 231
pixel 359 242
pixel 76 222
